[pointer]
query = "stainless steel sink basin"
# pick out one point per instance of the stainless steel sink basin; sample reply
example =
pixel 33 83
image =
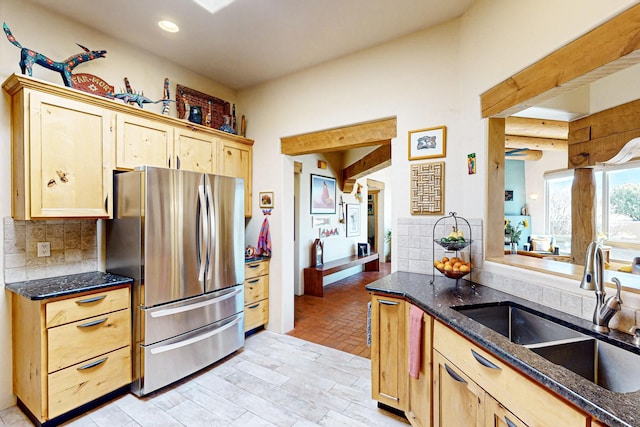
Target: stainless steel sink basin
pixel 520 326
pixel 608 366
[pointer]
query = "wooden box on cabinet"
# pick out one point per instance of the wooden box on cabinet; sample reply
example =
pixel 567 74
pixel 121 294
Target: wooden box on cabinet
pixel 256 294
pixel 70 351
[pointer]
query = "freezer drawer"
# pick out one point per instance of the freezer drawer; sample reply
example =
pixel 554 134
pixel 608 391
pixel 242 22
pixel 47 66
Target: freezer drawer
pixel 171 360
pixel 170 320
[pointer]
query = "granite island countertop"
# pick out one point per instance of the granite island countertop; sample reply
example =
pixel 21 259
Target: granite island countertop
pixel 52 287
pixel 614 409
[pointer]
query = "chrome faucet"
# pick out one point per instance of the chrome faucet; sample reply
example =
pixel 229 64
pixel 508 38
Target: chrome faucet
pixel 593 280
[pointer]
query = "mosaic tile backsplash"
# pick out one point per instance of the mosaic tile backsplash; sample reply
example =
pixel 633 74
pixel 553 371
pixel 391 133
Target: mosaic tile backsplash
pixel 73 248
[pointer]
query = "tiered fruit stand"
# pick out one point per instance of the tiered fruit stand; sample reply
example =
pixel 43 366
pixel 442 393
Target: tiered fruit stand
pixel 459 227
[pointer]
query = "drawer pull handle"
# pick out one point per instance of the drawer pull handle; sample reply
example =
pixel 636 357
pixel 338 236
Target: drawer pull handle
pixel 253 281
pixel 253 265
pixel 387 302
pixel 395 399
pixel 94 323
pixel 92 364
pixel 254 306
pixel 90 300
pixel 485 362
pixel 509 422
pixel 453 374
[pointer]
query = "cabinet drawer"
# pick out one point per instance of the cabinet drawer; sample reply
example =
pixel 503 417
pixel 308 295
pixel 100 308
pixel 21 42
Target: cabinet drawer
pixel 85 306
pixel 255 269
pixel 256 315
pixel 521 395
pixel 75 342
pixel 256 289
pixel 84 382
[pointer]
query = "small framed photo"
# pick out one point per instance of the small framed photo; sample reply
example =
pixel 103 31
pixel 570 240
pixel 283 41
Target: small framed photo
pixel 508 195
pixel 320 221
pixel 323 195
pixel 266 199
pixel 429 143
pixel 353 219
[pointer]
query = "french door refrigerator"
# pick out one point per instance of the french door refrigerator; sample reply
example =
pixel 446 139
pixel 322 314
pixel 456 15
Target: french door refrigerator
pixel 180 236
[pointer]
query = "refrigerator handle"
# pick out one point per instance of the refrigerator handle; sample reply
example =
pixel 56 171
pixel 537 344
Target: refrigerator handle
pixel 212 233
pixel 203 233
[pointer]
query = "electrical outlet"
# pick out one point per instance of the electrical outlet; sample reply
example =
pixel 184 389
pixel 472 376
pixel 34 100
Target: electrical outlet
pixel 44 249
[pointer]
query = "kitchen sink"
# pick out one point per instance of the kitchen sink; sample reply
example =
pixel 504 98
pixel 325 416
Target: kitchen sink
pixel 608 366
pixel 519 325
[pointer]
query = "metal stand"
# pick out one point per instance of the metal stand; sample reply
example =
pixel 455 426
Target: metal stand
pixel 454 221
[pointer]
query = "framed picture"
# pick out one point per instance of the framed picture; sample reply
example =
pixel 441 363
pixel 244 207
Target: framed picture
pixel 320 221
pixel 508 195
pixel 353 219
pixel 266 199
pixel 427 188
pixel 323 195
pixel 429 143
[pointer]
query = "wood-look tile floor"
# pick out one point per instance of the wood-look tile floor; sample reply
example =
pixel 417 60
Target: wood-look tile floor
pixel 276 380
pixel 339 318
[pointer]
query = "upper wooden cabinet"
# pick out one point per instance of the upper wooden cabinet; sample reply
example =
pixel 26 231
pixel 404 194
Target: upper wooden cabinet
pixel 235 159
pixel 67 143
pixel 61 164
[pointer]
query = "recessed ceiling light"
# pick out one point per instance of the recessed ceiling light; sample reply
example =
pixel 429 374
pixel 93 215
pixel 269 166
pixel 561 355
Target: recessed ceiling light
pixel 212 6
pixel 168 26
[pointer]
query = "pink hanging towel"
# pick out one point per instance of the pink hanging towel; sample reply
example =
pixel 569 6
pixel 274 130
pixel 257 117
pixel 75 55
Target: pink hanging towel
pixel 264 238
pixel 415 340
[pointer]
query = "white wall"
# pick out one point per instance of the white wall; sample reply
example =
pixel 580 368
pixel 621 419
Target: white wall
pixel 56 37
pixel 429 78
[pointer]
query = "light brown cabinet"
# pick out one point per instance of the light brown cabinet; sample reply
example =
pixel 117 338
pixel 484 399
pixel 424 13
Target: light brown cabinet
pixel 419 406
pixel 140 141
pixel 61 165
pixel 70 351
pixel 389 374
pixel 235 160
pixel 256 294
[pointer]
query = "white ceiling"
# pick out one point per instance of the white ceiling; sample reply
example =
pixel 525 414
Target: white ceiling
pixel 253 41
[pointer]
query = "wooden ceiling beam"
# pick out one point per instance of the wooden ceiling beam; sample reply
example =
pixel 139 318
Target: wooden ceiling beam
pixel 523 155
pixel 608 48
pixel 514 141
pixel 536 128
pixel 372 162
pixel 366 134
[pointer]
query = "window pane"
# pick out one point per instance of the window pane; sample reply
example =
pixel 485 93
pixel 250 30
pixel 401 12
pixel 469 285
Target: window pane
pixel 624 205
pixel 559 211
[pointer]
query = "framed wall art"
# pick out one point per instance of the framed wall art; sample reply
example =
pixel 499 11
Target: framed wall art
pixel 266 199
pixel 323 195
pixel 320 221
pixel 427 189
pixel 429 143
pixel 353 219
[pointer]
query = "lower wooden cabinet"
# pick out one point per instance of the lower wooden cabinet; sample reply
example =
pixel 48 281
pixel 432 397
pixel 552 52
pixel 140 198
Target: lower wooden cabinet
pixel 256 294
pixel 389 374
pixel 70 351
pixel 420 391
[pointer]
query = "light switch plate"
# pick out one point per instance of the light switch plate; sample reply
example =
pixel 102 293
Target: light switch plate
pixel 44 249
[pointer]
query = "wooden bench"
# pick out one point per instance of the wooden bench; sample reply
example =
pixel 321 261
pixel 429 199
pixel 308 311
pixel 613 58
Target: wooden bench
pixel 313 275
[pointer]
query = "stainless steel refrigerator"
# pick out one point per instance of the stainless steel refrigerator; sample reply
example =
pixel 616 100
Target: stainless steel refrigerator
pixel 180 236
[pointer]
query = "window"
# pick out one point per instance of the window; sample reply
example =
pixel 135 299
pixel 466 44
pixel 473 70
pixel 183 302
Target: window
pixel 617 204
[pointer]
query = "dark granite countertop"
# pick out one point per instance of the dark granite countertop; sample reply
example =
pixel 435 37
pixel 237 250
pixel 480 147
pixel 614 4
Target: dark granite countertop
pixel 52 287
pixel 256 259
pixel 615 409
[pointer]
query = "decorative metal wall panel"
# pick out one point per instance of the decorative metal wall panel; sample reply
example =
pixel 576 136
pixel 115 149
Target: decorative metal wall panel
pixel 427 189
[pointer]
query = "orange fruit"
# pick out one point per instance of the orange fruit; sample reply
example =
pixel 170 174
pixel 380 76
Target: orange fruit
pixel 445 259
pixel 448 267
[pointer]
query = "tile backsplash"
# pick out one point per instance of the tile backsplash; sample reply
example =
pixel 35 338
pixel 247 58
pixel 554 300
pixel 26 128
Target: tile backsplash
pixel 73 248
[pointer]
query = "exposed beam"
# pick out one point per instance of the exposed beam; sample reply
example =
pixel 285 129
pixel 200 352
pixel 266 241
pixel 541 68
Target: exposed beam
pixel 495 179
pixel 612 46
pixel 374 161
pixel 514 141
pixel 366 134
pixel 537 128
pixel 524 155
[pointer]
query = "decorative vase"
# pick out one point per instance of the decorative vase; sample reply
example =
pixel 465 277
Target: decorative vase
pixel 195 114
pixel 513 247
pixel 226 127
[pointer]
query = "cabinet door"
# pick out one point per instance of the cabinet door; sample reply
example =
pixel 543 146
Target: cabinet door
pixel 142 142
pixel 235 160
pixel 457 400
pixel 195 151
pixel 420 393
pixel 70 149
pixel 498 416
pixel 388 352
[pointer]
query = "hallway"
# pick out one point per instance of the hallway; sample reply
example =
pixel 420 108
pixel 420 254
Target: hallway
pixel 339 319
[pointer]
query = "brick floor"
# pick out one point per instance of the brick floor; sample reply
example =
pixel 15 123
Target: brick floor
pixel 339 318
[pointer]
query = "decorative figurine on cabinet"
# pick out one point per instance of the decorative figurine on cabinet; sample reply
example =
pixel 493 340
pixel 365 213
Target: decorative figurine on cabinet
pixel 29 57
